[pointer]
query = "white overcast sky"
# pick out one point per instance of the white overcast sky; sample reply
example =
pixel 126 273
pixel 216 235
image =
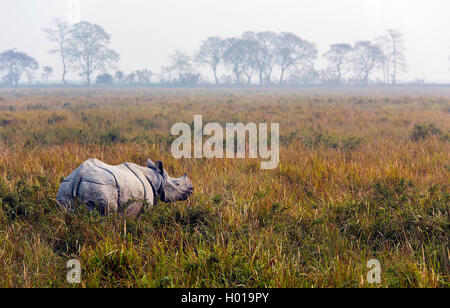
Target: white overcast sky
pixel 144 32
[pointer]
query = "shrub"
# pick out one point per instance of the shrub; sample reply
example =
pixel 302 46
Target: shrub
pixel 421 132
pixel 105 79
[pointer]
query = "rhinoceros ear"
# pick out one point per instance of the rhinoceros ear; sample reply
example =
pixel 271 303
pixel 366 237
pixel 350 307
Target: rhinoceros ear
pixel 160 167
pixel 151 164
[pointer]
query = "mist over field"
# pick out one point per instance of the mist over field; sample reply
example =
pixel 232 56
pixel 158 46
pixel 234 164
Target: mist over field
pixel 145 33
pixel 224 144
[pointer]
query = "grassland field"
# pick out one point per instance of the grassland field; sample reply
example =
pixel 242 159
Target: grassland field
pixel 363 174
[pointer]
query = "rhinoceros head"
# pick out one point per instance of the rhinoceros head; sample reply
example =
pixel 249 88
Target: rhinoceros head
pixel 172 189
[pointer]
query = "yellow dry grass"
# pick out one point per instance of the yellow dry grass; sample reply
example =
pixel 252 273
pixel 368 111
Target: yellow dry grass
pixel 363 174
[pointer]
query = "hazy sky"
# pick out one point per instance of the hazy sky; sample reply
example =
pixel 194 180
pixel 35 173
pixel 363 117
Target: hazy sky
pixel 144 32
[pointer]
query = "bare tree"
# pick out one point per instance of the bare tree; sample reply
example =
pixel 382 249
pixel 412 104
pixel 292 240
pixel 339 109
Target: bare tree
pixel 88 50
pixel 15 64
pixel 249 65
pixel 398 54
pixel 47 72
pixel 265 53
pixel 59 35
pixel 384 44
pixel 181 63
pixel 339 58
pixel 246 50
pixel 269 51
pixel 293 51
pixel 392 46
pixel 367 57
pixel 211 53
pixel 237 58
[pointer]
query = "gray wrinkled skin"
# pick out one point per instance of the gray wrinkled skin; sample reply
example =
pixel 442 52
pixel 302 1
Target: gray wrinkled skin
pixel 121 189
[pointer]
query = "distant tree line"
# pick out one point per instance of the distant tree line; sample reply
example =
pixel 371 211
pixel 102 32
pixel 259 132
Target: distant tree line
pixel 254 58
pixel 264 54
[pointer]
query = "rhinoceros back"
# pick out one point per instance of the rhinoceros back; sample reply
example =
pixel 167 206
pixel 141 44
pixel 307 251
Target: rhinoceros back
pixel 109 187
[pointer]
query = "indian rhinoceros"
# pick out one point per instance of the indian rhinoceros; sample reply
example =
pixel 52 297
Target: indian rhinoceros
pixel 125 188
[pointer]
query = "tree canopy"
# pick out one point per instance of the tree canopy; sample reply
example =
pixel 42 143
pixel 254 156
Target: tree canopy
pixel 88 50
pixel 15 64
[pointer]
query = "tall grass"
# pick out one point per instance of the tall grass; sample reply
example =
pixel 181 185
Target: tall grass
pixel 362 176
